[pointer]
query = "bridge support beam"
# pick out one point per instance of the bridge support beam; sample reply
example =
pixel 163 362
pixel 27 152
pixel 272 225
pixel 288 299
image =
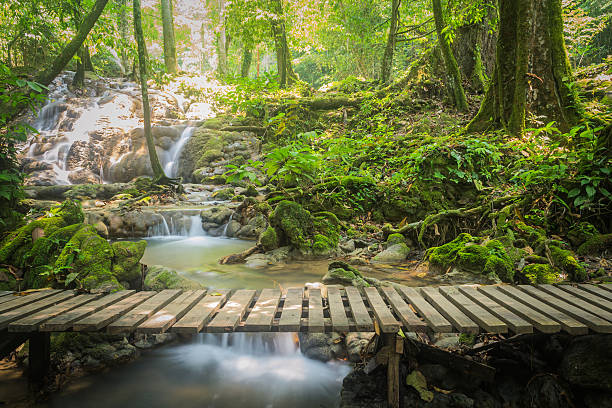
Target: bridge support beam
pixel 39 357
pixel 396 350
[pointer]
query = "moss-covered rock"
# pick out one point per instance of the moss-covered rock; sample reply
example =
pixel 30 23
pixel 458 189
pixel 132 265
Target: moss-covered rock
pixel 294 225
pixel 126 260
pixel 251 191
pixel 465 253
pixel 596 244
pixel 539 273
pixel 395 239
pixel 581 232
pixel 565 260
pixel 159 278
pixel 224 194
pixel 269 239
pixel 15 247
pixel 89 256
pixel 394 254
pixel 327 234
pixel 341 273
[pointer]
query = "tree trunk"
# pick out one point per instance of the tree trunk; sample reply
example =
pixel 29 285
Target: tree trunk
pixel 158 171
pixel 79 77
pixel 280 53
pixel 169 42
pixel 452 69
pixel 47 76
pixel 247 58
pixel 222 42
pixel 286 76
pixel 387 61
pixel 532 72
pixel 122 22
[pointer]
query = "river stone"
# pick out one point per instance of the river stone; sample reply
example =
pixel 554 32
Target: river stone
pixel 587 362
pixel 256 261
pixel 348 246
pixel 321 346
pixel 159 278
pixel 248 232
pixel 232 228
pixel 355 342
pixel 544 391
pixel 394 254
pixel 218 215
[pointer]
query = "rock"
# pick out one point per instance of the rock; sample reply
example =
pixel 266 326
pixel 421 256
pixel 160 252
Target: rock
pixel 598 399
pixel 355 343
pixel 268 239
pixel 394 239
pixel 544 391
pixel 587 362
pixel 126 260
pixel 447 340
pixel 218 215
pixel 340 273
pixel 256 261
pixel 348 246
pixel 232 228
pixel 159 277
pixel 394 254
pixel 248 232
pixel 101 229
pixel 321 346
pixel 279 254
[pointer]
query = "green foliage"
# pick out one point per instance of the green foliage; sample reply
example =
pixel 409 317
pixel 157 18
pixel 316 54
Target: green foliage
pixel 248 95
pixel 291 165
pixel 246 171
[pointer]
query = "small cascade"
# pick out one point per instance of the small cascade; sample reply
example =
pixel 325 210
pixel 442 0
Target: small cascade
pixel 224 234
pixel 178 223
pixel 195 226
pixel 160 230
pixel 171 168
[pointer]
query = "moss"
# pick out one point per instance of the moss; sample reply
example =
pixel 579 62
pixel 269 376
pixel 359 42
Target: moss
pixel 565 260
pixel 395 239
pixel 238 198
pixel 596 244
pixel 535 237
pixel 490 259
pixel 15 247
pixel 160 278
pixel 83 191
pixel 263 208
pixel 90 257
pixel 294 225
pixel 326 239
pixel 223 194
pixel 340 273
pixel 126 259
pixel 269 239
pixel 581 232
pixel 539 273
pixel 251 191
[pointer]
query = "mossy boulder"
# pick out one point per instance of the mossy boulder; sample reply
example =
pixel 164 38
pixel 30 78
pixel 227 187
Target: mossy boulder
pixel 269 239
pixel 538 273
pixel 596 244
pixel 465 253
pixel 86 260
pixel 327 234
pixel 394 239
pixel 581 232
pixel 126 260
pixel 294 225
pixel 251 191
pixel 341 273
pixel 159 278
pixel 565 260
pixel 224 194
pixel 394 254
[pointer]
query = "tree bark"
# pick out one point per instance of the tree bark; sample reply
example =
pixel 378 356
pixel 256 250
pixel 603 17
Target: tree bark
pixel 47 76
pixel 286 76
pixel 122 23
pixel 387 61
pixel 532 71
pixel 222 67
pixel 247 58
pixel 452 69
pixel 158 171
pixel 169 40
pixel 79 77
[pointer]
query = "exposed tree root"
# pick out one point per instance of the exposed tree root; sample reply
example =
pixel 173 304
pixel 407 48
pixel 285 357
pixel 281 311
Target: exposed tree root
pixel 241 256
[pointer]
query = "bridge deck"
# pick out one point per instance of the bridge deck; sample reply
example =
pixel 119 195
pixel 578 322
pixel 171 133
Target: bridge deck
pixel 575 309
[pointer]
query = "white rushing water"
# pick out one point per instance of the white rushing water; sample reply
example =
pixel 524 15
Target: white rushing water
pixel 216 371
pixel 171 168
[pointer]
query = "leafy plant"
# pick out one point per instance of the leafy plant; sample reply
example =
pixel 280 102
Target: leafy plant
pixel 292 164
pixel 242 172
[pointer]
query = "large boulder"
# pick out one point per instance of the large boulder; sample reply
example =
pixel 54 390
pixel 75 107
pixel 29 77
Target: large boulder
pixel 395 254
pixel 126 260
pixel 587 362
pixel 341 273
pixel 159 277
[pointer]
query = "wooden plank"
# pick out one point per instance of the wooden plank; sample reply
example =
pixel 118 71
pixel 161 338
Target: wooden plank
pixel 22 300
pixel 316 323
pixel 291 315
pixel 164 318
pixel 576 301
pixel 261 316
pixel 15 314
pixel 30 323
pixel 7 298
pixel 200 314
pixel 486 320
pixel 128 322
pixel 596 290
pixel 429 313
pixel 64 321
pixel 606 286
pixel 386 320
pixel 5 293
pixel 595 323
pixel 337 313
pixel 409 319
pixel 363 321
pixel 587 296
pixel 229 316
pixel 461 322
pixel 111 313
pixel 515 323
pixel 569 324
pixel 541 322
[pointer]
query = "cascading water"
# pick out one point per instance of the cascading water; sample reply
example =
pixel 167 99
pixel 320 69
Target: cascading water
pixel 174 154
pixel 217 371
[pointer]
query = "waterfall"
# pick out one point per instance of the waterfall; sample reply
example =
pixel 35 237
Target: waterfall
pixel 226 225
pixel 178 223
pixel 171 168
pixel 195 227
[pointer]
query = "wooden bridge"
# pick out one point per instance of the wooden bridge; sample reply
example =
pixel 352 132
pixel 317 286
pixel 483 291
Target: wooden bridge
pixel 575 309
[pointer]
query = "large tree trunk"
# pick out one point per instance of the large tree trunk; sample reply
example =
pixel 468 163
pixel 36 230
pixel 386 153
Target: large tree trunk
pixel 247 58
pixel 286 76
pixel 222 66
pixel 169 42
pixel 158 171
pixel 47 76
pixel 122 23
pixel 387 61
pixel 452 69
pixel 532 72
pixel 79 77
